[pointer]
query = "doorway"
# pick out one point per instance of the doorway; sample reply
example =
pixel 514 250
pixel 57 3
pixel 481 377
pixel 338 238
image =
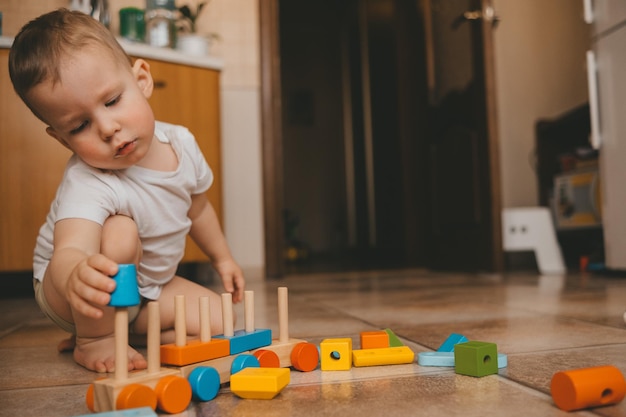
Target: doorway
pixel 363 150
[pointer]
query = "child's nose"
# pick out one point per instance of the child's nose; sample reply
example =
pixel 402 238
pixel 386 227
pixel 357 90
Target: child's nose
pixel 108 127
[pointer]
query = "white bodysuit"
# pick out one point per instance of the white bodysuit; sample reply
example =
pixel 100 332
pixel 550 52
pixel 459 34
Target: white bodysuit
pixel 157 201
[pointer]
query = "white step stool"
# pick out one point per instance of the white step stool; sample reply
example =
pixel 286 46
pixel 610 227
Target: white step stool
pixel 531 229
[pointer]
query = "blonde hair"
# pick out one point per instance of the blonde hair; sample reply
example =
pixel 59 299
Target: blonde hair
pixel 42 44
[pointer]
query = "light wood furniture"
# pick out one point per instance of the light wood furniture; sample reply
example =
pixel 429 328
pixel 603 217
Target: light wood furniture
pixel 32 163
pixel 189 96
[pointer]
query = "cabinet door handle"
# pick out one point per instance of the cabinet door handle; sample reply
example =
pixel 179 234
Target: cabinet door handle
pixel 594 110
pixel 160 84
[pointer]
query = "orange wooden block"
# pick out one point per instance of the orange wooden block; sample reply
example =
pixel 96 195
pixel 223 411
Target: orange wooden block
pixel 194 351
pixel 587 387
pixel 374 339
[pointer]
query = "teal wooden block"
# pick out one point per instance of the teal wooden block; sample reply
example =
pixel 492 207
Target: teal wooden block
pixel 453 339
pixel 243 341
pixel 126 293
pixel 476 358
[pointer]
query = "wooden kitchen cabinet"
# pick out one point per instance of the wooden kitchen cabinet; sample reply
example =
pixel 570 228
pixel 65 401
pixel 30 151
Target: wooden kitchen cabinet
pixel 32 163
pixel 189 96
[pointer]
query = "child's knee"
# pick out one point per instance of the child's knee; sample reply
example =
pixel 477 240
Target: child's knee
pixel 120 240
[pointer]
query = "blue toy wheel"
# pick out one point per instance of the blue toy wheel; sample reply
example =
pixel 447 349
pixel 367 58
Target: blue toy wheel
pixel 205 383
pixel 244 361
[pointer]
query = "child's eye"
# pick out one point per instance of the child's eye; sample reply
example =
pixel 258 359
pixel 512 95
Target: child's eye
pixel 79 128
pixel 112 102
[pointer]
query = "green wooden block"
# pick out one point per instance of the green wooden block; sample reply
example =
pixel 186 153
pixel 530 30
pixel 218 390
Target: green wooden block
pixel 394 341
pixel 476 358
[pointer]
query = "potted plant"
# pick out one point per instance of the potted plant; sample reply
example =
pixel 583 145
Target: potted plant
pixel 192 42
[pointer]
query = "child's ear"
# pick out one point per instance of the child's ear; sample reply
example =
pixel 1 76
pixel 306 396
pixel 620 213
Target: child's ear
pixel 53 133
pixel 141 71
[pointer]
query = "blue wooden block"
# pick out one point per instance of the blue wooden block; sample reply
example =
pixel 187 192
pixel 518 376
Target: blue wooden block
pixel 131 412
pixel 453 339
pixel 126 293
pixel 447 359
pixel 243 341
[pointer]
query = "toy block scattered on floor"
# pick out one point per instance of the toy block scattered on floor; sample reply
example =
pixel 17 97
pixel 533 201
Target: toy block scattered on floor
pixel 259 383
pixel 446 359
pixel 336 354
pixel 132 412
pixel 476 358
pixel 243 340
pixel 394 341
pixel 578 389
pixel 374 339
pixel 383 356
pixel 453 339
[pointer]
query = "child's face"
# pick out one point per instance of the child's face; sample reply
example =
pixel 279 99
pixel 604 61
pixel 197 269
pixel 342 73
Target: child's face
pixel 99 109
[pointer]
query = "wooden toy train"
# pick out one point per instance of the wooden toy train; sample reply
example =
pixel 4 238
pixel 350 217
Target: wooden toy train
pixel 195 369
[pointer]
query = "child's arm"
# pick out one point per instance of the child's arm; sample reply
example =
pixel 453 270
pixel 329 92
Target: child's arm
pixel 207 233
pixel 77 270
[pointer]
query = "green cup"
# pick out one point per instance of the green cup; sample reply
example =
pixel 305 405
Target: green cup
pixel 132 24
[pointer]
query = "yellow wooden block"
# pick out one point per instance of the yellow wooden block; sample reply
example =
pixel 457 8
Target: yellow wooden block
pixel 336 354
pixel 259 383
pixel 383 356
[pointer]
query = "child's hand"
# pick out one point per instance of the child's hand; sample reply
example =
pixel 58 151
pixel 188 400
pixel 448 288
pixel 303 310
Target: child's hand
pixel 232 278
pixel 90 285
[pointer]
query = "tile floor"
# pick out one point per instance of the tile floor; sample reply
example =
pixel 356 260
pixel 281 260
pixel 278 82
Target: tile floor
pixel 543 323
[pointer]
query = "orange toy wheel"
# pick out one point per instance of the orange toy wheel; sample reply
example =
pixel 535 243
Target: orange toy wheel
pixel 135 396
pixel 305 357
pixel 267 358
pixel 173 394
pixel 90 398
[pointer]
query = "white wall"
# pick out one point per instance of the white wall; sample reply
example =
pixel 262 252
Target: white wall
pixel 540 50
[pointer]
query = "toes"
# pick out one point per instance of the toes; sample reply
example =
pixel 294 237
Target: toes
pixel 138 362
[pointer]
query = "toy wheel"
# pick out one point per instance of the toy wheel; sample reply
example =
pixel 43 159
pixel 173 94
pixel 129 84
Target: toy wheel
pixel 173 394
pixel 244 361
pixel 205 383
pixel 305 357
pixel 89 398
pixel 135 396
pixel 267 358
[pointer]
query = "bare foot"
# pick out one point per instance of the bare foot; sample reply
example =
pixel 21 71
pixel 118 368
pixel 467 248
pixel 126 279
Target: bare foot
pixel 67 345
pixel 98 354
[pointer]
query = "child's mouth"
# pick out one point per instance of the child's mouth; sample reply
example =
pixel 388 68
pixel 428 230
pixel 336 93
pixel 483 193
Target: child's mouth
pixel 125 149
